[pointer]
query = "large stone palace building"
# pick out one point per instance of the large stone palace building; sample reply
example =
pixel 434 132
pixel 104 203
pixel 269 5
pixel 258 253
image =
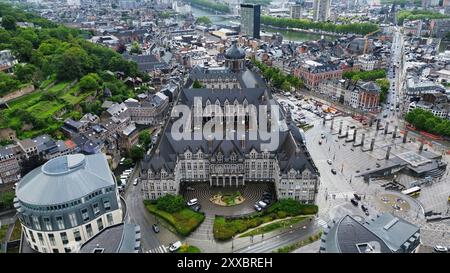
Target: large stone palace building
pixel 231 162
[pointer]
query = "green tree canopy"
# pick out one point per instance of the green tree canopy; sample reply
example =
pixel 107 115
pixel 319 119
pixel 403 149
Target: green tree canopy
pixel 89 82
pixel 197 84
pixel 135 48
pixel 136 153
pixel 73 64
pixel 9 22
pixel 24 72
pixel 170 203
pixel 145 138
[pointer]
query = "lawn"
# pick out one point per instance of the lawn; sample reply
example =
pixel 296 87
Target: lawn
pixel 15 235
pixel 298 244
pixel 71 97
pixel 274 226
pixel 40 107
pixel 55 89
pixel 188 249
pixel 3 230
pixel 45 109
pixel 184 221
pixel 225 229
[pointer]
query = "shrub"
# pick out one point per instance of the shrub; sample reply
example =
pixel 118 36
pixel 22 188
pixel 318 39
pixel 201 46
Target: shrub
pixel 281 214
pixel 170 203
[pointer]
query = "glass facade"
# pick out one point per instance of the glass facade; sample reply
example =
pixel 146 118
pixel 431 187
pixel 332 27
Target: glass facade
pixel 250 20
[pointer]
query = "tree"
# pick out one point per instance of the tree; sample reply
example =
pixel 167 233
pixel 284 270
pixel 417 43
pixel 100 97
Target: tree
pixel 204 20
pixel 170 203
pixel 24 73
pixel 5 36
pixel 7 83
pixel 22 48
pixel 7 199
pixel 145 139
pixel 197 84
pixel 89 83
pixel 135 48
pixel 73 63
pixel 136 153
pixel 30 164
pixel 9 22
pixel 121 48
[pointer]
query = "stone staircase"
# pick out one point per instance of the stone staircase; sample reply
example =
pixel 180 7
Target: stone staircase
pixel 205 230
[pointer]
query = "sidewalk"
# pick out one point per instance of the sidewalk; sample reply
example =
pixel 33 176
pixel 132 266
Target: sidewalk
pixel 213 246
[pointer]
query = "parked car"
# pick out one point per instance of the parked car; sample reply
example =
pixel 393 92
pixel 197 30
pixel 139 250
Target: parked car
pixel 257 208
pixel 364 208
pixel 440 249
pixel 357 197
pixel 192 202
pixel 197 207
pixel 262 204
pixel 175 246
pixel 135 182
pixel 267 201
pixel 155 228
pixel 266 193
pixel 333 171
pixel 320 142
pixel 354 202
pixel 322 135
pixel 124 181
pixel 329 161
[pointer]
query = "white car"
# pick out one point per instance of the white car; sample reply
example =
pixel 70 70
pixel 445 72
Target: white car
pixel 329 162
pixel 124 181
pixel 441 249
pixel 261 204
pixel 135 182
pixel 192 202
pixel 175 246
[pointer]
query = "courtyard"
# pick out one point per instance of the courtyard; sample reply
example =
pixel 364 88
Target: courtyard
pixel 250 193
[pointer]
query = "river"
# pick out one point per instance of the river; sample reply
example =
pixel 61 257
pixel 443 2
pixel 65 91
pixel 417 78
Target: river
pixel 287 35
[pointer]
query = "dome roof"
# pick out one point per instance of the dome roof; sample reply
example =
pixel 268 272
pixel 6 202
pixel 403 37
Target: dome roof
pixel 234 52
pixel 65 178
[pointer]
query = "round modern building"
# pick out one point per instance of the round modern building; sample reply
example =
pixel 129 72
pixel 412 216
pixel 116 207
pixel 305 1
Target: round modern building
pixel 66 201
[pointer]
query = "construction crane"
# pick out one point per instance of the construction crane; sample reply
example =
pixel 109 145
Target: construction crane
pixel 366 44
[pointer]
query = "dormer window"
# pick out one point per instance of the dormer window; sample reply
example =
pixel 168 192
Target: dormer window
pixel 233 157
pixel 219 157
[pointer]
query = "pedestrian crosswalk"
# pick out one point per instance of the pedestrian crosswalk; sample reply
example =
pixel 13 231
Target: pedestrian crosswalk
pixel 341 195
pixel 322 223
pixel 159 249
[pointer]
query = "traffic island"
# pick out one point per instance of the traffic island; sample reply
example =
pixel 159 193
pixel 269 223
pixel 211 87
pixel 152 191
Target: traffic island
pixel 227 200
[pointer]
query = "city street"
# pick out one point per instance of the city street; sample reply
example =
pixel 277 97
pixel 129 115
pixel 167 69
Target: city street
pixel 137 213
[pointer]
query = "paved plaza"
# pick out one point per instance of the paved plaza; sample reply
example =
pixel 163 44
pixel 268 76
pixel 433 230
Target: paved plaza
pixel 350 162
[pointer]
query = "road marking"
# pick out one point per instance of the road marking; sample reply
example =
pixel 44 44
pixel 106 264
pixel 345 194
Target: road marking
pixel 159 249
pixel 322 223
